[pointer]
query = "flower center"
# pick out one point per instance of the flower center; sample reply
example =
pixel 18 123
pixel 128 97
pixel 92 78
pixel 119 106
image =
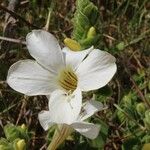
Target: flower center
pixel 67 79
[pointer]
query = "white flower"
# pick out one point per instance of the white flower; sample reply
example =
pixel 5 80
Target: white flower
pixel 54 69
pixel 56 116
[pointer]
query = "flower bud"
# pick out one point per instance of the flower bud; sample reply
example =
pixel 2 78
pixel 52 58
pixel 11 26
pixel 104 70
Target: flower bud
pixel 11 132
pixel 147 119
pixel 148 97
pixel 127 99
pixel 140 107
pixel 146 146
pixel 20 145
pixel 91 32
pixel 72 44
pixel 2 147
pixel 147 115
pixel 23 126
pixel 120 46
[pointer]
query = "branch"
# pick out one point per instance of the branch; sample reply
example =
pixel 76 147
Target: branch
pixel 16 16
pixel 13 40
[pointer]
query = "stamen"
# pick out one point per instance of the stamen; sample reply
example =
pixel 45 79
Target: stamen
pixel 67 79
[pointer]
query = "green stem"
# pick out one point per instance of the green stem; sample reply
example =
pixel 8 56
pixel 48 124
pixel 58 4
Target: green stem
pixel 59 137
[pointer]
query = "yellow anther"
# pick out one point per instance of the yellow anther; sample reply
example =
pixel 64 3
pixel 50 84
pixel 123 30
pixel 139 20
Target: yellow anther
pixel 21 144
pixel 72 44
pixel 91 32
pixel 67 79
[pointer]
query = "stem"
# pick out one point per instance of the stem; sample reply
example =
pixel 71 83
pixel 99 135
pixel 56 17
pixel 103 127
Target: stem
pixel 48 20
pixel 51 8
pixel 13 40
pixel 59 137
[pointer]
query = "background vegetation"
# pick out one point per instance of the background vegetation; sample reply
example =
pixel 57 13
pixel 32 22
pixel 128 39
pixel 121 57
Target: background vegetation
pixel 122 28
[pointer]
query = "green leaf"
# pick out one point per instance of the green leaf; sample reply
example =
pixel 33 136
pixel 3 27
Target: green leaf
pixel 13 132
pixel 85 17
pixel 5 145
pixel 100 141
pixel 131 144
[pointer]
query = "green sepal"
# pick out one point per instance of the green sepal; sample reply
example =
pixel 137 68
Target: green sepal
pixel 5 145
pixel 88 42
pixel 13 132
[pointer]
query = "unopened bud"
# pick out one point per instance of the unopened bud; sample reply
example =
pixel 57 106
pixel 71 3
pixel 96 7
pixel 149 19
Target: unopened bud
pixel 147 119
pixel 140 107
pixel 91 32
pixel 5 146
pixel 147 115
pixel 2 147
pixel 72 44
pixel 127 99
pixel 148 97
pixel 120 46
pixel 146 146
pixel 21 144
pixel 23 126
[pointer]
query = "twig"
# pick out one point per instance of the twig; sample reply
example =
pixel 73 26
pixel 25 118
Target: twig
pixel 10 26
pixel 129 117
pixel 52 5
pixel 136 87
pixel 24 101
pixel 48 20
pixel 109 37
pixel 24 2
pixel 13 40
pixel 141 37
pixel 138 90
pixel 16 16
pixel 119 90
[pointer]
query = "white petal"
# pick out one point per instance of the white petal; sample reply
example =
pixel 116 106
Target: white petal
pixel 44 118
pixel 90 108
pixel 96 70
pixel 74 58
pixel 28 77
pixel 64 108
pixel 89 130
pixel 44 47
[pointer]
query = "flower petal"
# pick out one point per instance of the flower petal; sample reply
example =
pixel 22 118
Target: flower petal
pixel 44 47
pixel 28 77
pixel 96 70
pixel 44 118
pixel 89 130
pixel 74 58
pixel 90 108
pixel 65 108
